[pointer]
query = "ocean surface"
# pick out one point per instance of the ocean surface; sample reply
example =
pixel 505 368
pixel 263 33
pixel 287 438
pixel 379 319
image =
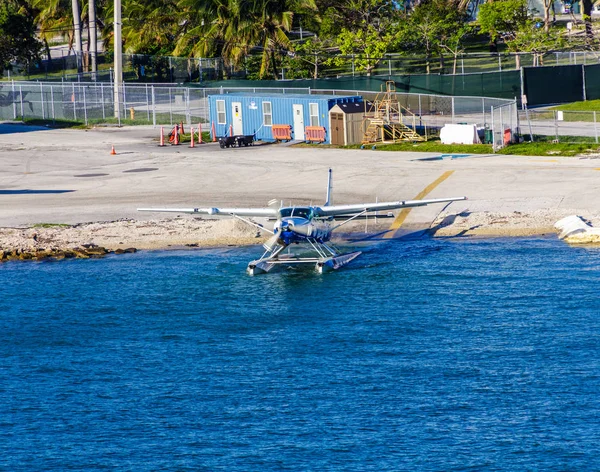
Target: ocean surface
pixel 446 354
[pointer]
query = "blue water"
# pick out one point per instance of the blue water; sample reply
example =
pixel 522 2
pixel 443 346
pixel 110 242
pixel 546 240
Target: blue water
pixel 424 355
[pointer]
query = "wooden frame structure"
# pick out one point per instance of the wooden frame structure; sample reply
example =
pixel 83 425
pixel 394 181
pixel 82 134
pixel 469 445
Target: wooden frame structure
pixel 384 121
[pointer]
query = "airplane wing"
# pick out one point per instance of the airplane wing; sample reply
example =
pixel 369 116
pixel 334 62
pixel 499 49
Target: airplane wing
pixel 335 210
pixel 265 212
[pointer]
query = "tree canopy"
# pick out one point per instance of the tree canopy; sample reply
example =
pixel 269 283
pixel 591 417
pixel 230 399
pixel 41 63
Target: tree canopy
pixel 304 36
pixel 18 42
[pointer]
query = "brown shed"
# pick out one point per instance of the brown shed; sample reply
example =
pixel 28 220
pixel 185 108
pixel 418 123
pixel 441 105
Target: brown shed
pixel 346 122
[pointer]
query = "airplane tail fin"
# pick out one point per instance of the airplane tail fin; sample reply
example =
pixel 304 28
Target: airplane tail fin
pixel 329 187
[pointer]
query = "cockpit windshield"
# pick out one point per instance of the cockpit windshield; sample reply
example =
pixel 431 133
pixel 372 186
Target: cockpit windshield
pixel 297 212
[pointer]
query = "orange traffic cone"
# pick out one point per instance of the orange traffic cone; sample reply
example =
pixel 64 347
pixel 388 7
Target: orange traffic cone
pixel 192 137
pixel 162 136
pixel 112 151
pixel 214 134
pixel 200 134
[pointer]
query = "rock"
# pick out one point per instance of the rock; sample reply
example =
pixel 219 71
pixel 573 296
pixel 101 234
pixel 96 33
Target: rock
pixel 130 250
pixel 96 251
pixel 42 254
pixel 80 253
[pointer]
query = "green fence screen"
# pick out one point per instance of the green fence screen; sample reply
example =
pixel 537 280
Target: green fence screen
pixel 592 82
pixel 547 85
pixel 504 84
pixel 542 85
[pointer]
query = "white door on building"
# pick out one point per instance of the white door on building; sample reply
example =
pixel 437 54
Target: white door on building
pixel 298 111
pixel 236 113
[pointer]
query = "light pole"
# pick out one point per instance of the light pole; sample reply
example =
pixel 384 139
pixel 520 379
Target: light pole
pixel 118 50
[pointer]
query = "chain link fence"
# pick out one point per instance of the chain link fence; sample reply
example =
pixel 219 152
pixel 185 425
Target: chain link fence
pixel 161 69
pixel 156 105
pixel 560 126
pixel 504 127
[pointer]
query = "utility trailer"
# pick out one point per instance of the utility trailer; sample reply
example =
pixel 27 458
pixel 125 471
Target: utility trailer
pixel 237 140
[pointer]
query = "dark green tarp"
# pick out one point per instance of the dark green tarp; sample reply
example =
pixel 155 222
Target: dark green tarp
pixel 592 82
pixel 557 84
pixel 504 84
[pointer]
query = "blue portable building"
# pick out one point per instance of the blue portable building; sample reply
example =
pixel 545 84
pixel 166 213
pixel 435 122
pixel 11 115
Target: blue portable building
pixel 256 113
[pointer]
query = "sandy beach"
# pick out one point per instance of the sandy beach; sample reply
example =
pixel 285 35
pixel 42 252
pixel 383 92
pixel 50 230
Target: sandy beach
pixel 62 189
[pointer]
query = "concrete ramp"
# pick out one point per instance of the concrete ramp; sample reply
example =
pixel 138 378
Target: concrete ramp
pixel 574 229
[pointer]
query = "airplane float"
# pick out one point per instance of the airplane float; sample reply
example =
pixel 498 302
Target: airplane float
pixel 311 226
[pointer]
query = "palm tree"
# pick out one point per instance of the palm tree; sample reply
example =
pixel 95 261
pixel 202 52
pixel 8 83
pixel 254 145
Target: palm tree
pixel 232 28
pixel 150 25
pixel 53 16
pixel 77 32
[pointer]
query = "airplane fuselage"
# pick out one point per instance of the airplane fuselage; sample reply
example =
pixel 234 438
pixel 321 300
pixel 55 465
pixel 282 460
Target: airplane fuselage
pixel 297 224
pixel 297 229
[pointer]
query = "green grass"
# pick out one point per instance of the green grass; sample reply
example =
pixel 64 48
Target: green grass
pixel 539 138
pixel 51 225
pixel 186 138
pixel 54 123
pixel 550 149
pixel 432 146
pixel 524 149
pixel 588 105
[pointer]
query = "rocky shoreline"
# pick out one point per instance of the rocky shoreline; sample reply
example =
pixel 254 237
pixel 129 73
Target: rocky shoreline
pixel 41 254
pixel 97 239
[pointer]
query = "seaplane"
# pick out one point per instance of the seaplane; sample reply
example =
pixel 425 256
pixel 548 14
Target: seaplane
pixel 308 226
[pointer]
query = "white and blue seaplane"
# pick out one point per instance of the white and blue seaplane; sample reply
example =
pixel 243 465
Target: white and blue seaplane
pixel 310 226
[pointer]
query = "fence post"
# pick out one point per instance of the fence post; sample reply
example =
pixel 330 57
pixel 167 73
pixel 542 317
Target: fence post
pixel 171 106
pixel 390 66
pixel 420 110
pixel 85 107
pixel 187 106
pixel 42 100
pixel 124 101
pixel 529 123
pixel 153 107
pixel 147 104
pixel 21 98
pixel 595 128
pixel 556 125
pixel 74 101
pixel 52 102
pixel 452 109
pixel 516 116
pixel 501 109
pixel 493 131
pixel 102 97
pixel 483 110
pixel 583 80
pixel 13 100
pixel 352 65
pixel 499 63
pixel 522 86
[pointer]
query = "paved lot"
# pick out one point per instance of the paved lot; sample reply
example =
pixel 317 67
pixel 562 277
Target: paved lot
pixel 69 176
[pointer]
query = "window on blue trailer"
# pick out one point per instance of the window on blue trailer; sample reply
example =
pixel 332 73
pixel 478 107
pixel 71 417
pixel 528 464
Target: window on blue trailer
pixel 314 114
pixel 267 114
pixel 221 118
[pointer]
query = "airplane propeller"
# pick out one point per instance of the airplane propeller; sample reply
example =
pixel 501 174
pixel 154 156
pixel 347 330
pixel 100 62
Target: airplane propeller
pixel 271 243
